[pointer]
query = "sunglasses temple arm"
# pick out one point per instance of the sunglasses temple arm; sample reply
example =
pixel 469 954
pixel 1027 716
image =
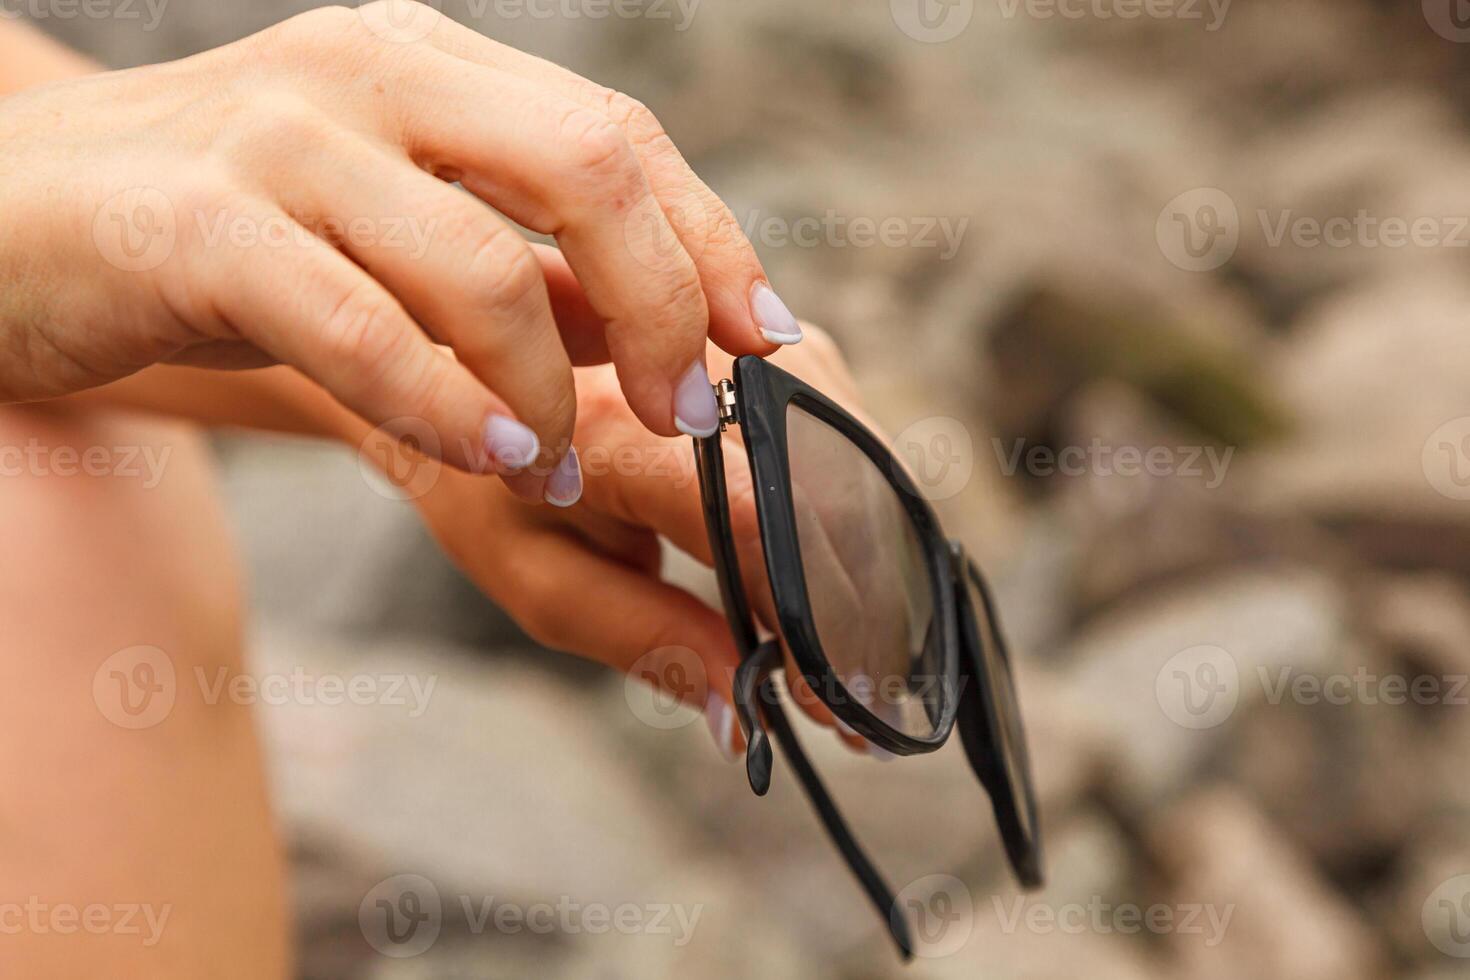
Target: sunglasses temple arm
pixel 755 656
pixel 710 462
pixel 747 686
pixel 877 889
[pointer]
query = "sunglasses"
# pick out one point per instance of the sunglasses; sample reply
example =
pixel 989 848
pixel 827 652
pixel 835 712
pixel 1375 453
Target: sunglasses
pixel 889 623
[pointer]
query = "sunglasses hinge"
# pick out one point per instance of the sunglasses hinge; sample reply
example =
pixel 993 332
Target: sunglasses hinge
pixel 725 399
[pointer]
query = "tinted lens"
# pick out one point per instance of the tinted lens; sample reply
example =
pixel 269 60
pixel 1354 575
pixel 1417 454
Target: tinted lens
pixel 867 579
pixel 997 689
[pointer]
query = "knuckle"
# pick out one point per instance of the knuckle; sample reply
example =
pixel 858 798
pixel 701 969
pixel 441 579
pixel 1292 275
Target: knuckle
pixel 635 118
pixel 359 331
pixel 274 118
pixel 682 302
pixel 597 148
pixel 503 271
pixel 724 230
pixel 313 29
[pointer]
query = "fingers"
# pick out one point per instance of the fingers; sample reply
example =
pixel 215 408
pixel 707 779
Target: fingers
pixel 465 275
pixel 637 625
pixel 561 169
pixel 581 328
pixel 307 305
pixel 745 314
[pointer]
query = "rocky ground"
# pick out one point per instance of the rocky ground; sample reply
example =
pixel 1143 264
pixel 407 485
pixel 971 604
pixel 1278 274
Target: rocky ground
pixel 1241 654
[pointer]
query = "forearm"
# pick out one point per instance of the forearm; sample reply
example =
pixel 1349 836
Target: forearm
pixel 28 57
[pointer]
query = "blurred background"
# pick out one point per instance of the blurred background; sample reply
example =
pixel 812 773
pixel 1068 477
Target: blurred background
pixel 1164 302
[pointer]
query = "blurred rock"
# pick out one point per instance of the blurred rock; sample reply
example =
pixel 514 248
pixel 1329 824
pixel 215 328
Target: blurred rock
pixel 1173 674
pixel 1284 920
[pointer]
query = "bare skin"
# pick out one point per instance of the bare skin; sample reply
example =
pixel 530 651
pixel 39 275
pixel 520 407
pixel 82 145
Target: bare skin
pixel 169 824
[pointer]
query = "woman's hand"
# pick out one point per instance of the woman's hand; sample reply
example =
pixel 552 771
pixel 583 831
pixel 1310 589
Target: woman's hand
pixel 587 580
pixel 286 198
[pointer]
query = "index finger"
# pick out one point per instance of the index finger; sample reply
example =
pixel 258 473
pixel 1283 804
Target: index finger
pixel 746 316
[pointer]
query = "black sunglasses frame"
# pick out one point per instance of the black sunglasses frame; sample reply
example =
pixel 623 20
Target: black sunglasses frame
pixel 757 400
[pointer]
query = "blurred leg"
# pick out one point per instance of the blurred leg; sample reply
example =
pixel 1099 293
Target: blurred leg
pixel 136 838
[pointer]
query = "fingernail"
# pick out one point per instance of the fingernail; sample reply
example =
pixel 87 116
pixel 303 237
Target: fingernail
pixel 564 485
pixel 511 446
pixel 721 720
pixel 882 755
pixel 776 323
pixel 695 412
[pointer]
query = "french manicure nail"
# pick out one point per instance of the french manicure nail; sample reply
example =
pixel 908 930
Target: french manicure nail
pixel 721 720
pixel 695 411
pixel 564 485
pixel 775 321
pixel 510 445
